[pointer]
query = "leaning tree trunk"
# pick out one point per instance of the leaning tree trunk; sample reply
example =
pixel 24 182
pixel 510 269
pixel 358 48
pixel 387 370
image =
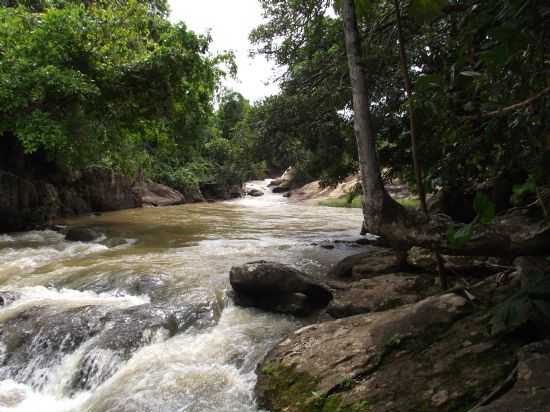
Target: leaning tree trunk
pixel 404 228
pixel 375 199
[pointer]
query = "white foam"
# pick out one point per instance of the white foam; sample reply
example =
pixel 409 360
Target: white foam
pixel 17 397
pixel 33 296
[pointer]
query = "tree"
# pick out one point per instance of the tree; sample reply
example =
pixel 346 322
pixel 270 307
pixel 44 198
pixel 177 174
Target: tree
pixel 385 217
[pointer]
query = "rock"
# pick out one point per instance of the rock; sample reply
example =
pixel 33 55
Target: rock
pixel 531 392
pixel 27 202
pixel 105 190
pixel 7 297
pixel 219 191
pixel 283 187
pixel 72 203
pixel 156 286
pixel 379 293
pixel 38 338
pixel 375 261
pixel 276 287
pixel 255 192
pixel 155 194
pixel 469 266
pixel 529 266
pixel 316 360
pixel 285 182
pixel 81 235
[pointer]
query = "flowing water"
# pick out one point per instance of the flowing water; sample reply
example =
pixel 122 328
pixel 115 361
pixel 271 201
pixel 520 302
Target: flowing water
pixel 141 319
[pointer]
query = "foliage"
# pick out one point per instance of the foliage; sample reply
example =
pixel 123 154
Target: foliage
pixel 485 213
pixel 115 83
pixel 305 126
pixel 343 201
pixel 78 81
pixel 467 60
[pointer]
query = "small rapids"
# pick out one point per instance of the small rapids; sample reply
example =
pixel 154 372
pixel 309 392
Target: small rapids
pixel 141 320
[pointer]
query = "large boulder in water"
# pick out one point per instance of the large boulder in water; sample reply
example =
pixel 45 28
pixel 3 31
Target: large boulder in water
pixel 82 235
pixel 277 287
pixel 255 192
pixel 155 194
pixel 285 182
pixel 7 297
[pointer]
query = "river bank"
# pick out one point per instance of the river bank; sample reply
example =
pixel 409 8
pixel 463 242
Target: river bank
pixel 29 202
pixel 392 341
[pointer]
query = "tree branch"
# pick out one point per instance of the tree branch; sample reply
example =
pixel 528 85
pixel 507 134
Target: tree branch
pixel 508 109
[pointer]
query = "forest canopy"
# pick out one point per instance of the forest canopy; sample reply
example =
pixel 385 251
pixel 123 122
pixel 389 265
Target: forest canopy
pixel 479 73
pixel 115 84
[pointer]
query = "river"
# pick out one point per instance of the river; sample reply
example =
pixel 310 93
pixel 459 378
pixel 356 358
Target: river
pixel 142 319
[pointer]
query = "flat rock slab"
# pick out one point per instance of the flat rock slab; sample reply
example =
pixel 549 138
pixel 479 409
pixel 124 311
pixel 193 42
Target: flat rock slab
pixel 375 261
pixel 434 355
pixel 378 293
pixel 319 359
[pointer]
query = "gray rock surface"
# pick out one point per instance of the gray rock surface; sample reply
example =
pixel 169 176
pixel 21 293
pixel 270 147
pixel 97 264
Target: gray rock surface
pixel 155 194
pixel 279 288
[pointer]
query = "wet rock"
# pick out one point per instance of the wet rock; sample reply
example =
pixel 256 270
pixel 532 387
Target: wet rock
pixel 35 340
pixel 326 245
pixel 7 297
pixel 276 287
pixel 372 362
pixel 82 235
pixel 156 194
pixel 38 338
pixel 105 190
pixel 283 187
pixel 255 193
pixel 375 261
pixel 127 330
pixel 378 293
pixel 531 392
pixel 285 182
pixel 217 191
pixel 155 285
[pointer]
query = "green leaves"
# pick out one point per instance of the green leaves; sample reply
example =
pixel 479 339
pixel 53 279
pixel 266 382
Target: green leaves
pixel 485 209
pixel 101 83
pixel 362 7
pixel 426 10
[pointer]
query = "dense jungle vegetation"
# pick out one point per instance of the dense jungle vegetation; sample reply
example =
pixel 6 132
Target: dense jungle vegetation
pixel 115 84
pixel 479 73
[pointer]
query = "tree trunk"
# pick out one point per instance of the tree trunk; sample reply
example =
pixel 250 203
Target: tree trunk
pixel 375 198
pixel 403 228
pixel 410 105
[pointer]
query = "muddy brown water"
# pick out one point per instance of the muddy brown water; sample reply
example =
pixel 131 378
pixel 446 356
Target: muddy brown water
pixel 81 331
